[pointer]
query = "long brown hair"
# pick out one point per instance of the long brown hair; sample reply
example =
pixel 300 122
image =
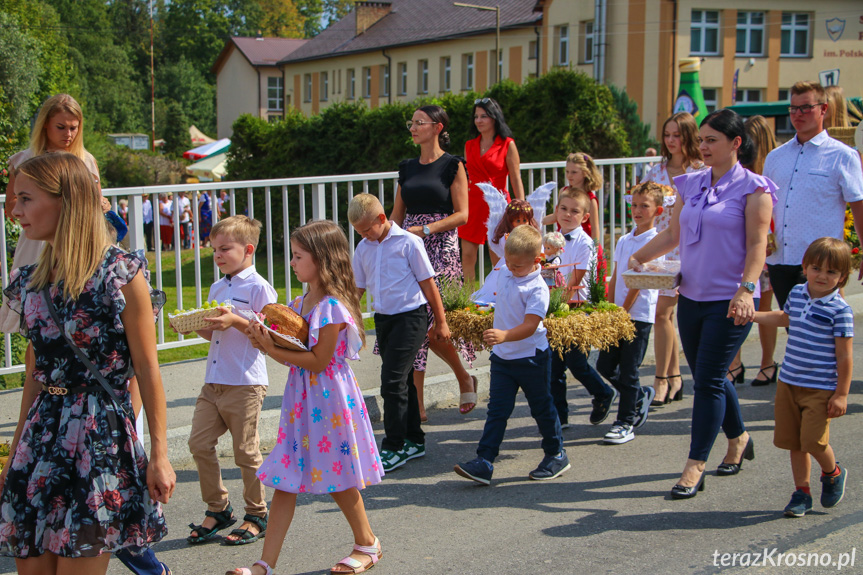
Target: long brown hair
pixel 82 236
pixel 328 245
pixel 762 138
pixel 54 105
pixel 514 209
pixel 592 174
pixel 688 129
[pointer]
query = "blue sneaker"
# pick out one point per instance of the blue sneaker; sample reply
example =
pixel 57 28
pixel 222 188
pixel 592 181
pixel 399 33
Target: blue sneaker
pixel 642 406
pixel 478 470
pixel 550 467
pixel 833 488
pixel 800 504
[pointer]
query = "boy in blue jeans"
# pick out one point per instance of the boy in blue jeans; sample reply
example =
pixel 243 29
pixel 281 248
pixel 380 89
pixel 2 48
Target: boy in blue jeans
pixel 620 364
pixel 816 373
pixel 573 208
pixel 519 359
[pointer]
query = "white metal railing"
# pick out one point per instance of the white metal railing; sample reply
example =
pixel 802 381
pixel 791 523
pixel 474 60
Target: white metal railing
pixel 323 197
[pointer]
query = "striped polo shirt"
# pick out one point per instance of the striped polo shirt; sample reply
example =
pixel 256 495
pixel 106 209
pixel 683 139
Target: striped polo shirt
pixel 810 355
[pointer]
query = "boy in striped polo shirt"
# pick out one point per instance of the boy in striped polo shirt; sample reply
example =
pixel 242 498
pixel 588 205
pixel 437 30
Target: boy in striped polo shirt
pixel 816 372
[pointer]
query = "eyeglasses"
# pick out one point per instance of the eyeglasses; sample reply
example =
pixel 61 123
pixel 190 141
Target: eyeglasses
pixel 481 101
pixel 418 123
pixel 805 109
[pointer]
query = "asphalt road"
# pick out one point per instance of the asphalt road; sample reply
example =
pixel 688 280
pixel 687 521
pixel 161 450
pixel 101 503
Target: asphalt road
pixel 610 514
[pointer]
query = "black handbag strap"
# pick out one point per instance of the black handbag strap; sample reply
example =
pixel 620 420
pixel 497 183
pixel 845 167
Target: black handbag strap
pixel 46 295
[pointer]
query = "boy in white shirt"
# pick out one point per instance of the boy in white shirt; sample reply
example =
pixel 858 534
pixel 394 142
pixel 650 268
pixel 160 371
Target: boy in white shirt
pixel 620 364
pixel 519 359
pixel 235 387
pixel 393 265
pixel 573 209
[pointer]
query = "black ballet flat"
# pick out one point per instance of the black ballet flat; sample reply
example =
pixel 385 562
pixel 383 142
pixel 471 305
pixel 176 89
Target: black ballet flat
pixel 726 469
pixel 772 379
pixel 681 492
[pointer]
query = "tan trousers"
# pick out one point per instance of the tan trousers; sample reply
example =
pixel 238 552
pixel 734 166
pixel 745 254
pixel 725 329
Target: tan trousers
pixel 234 408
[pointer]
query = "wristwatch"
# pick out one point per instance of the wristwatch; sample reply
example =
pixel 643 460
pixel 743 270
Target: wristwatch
pixel 748 286
pixel 427 232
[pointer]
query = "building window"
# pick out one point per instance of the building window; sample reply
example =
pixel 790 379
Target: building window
pixel 587 43
pixel 367 82
pixel 467 72
pixel 795 35
pixel 352 84
pixel 446 74
pixel 307 88
pixel 403 78
pixel 385 80
pixel 783 123
pixel 562 53
pixel 275 94
pixel 531 50
pixel 423 77
pixel 747 95
pixel 325 86
pixel 711 98
pixel 704 39
pixel 273 118
pixel 750 34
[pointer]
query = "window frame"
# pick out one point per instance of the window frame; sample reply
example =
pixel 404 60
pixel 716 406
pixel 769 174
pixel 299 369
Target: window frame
pixel 367 82
pixel 588 41
pixel 385 80
pixel 714 101
pixel 279 98
pixel 791 28
pixel 307 88
pixel 562 52
pixel 468 76
pixel 749 29
pixel 423 76
pixel 703 25
pixel 446 74
pixel 352 84
pixel 325 86
pixel 402 68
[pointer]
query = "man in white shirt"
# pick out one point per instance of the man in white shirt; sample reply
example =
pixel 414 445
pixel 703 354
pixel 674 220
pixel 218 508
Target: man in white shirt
pixel 186 220
pixel 817 177
pixel 147 213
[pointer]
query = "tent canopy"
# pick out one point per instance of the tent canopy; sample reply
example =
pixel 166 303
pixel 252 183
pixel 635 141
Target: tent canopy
pixel 766 109
pixel 198 137
pixel 212 168
pixel 208 150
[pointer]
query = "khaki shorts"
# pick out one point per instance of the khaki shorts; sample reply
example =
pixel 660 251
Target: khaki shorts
pixel 801 418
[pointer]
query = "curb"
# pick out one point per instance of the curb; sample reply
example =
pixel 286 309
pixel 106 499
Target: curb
pixel 439 392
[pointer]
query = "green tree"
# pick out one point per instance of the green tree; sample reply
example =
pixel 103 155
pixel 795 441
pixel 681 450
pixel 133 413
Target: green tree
pixel 176 132
pixel 19 70
pixel 637 131
pixel 181 82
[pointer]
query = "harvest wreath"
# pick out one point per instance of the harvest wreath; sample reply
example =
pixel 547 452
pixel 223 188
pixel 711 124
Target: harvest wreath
pixel 600 325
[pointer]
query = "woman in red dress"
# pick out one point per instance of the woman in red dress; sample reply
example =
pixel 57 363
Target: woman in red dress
pixel 491 157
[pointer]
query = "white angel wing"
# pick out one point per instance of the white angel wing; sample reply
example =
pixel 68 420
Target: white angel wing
pixel 538 199
pixel 496 206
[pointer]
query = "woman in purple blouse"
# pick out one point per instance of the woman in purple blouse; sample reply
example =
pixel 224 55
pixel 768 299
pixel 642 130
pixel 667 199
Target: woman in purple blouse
pixel 721 220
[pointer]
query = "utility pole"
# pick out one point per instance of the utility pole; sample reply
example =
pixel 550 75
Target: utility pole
pixel 496 9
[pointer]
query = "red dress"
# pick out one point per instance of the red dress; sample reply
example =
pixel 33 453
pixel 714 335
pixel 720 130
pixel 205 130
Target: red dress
pixel 482 168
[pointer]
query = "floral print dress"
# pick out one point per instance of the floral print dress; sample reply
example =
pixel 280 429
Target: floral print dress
pixel 77 483
pixel 325 442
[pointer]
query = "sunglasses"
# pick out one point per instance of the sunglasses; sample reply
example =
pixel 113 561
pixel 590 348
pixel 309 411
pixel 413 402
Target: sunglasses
pixel 479 101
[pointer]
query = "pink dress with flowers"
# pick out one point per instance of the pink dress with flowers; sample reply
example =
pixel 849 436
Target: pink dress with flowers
pixel 77 483
pixel 325 441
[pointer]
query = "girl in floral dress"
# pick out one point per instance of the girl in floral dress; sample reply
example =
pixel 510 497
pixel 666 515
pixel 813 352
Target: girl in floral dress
pixel 78 484
pixel 325 442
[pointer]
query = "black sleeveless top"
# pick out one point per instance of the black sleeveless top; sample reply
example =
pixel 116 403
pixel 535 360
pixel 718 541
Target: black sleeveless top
pixel 425 187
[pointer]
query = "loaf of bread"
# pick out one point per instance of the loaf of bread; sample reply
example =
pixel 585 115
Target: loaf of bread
pixel 286 321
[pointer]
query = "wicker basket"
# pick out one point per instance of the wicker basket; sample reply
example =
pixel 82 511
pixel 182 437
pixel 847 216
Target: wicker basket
pixel 194 320
pixel 282 340
pixel 655 275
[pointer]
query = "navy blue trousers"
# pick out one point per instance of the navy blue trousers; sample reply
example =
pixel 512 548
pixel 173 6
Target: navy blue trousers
pixel 710 340
pixel 507 376
pixel 576 362
pixel 619 365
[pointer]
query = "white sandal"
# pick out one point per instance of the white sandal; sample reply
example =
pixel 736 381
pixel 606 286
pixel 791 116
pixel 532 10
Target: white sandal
pixel 469 397
pixel 247 571
pixel 374 552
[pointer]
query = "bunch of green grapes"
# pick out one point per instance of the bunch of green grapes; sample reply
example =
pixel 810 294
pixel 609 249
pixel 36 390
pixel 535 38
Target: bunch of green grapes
pixel 206 305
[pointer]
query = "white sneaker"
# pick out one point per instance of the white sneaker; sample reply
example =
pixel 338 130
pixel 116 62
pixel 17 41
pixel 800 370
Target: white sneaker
pixel 619 433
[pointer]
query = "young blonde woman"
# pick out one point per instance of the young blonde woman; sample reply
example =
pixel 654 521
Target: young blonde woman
pixel 680 155
pixel 762 137
pixel 78 485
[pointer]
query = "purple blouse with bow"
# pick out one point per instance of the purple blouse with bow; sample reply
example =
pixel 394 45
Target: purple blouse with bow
pixel 713 231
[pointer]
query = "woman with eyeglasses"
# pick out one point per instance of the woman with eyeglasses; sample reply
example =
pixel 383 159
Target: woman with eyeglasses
pixel 491 156
pixel 720 222
pixel 431 202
